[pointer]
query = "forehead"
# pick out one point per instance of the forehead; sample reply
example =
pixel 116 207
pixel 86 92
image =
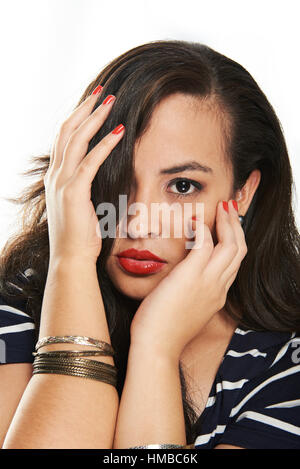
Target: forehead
pixel 182 128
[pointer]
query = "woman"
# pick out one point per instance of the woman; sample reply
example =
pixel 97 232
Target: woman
pixel 204 338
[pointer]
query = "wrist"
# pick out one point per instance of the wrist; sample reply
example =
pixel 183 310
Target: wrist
pixel 62 262
pixel 147 352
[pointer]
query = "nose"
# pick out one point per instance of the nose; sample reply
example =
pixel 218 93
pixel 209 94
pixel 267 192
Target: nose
pixel 141 219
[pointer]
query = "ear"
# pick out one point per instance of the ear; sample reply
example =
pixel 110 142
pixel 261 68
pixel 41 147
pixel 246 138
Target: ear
pixel 246 194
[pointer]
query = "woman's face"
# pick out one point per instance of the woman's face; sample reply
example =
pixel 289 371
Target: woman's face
pixel 182 131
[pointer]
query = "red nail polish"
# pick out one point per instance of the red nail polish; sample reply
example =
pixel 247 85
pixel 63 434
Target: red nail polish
pixel 109 99
pixel 234 203
pixel 118 129
pixel 98 89
pixel 225 206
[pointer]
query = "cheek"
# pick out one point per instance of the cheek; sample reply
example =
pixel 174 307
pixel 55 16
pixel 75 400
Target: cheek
pixel 109 266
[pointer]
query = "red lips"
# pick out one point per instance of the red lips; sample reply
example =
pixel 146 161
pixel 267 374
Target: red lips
pixel 140 262
pixel 141 255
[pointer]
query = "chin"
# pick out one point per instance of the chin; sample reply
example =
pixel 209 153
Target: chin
pixel 135 287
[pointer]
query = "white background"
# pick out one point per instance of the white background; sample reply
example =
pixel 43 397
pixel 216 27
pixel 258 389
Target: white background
pixel 52 49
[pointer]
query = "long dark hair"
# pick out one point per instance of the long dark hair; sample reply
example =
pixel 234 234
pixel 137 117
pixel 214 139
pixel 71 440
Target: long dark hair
pixel 265 294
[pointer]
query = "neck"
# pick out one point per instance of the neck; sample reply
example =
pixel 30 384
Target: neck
pixel 216 333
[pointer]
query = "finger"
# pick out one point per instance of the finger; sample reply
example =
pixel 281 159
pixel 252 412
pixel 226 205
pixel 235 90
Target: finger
pixel 226 249
pixel 70 125
pixel 203 245
pixel 77 145
pixel 232 269
pixel 230 281
pixel 86 171
pixel 52 152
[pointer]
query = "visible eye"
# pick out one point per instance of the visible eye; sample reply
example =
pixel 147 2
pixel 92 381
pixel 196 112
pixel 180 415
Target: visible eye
pixel 187 186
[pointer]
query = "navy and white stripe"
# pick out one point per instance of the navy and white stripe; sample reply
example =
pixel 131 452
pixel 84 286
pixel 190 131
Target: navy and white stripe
pixel 255 398
pixel 17 333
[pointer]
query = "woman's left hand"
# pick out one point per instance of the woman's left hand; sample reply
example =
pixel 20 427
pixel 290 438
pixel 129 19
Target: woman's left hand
pixel 188 297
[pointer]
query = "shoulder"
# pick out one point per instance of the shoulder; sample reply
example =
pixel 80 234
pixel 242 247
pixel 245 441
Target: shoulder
pixel 267 408
pixel 252 353
pixel 17 332
pixel 269 363
pixel 255 402
pixel 257 356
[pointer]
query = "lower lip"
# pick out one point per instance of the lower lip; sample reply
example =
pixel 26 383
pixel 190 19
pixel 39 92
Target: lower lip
pixel 136 266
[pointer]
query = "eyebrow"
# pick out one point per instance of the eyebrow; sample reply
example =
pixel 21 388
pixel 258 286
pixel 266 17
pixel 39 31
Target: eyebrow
pixel 188 166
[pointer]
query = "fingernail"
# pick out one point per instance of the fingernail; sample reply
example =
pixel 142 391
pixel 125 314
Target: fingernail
pixel 98 89
pixel 225 206
pixel 234 203
pixel 118 129
pixel 109 99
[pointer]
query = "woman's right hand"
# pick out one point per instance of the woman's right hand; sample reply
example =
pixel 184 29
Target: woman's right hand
pixel 72 221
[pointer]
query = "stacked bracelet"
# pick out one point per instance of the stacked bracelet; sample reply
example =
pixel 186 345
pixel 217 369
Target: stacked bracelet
pixel 69 362
pixel 74 366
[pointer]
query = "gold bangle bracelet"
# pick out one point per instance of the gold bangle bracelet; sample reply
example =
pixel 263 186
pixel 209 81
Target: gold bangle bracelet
pixel 74 371
pixel 82 368
pixel 74 339
pixel 72 353
pixel 80 363
pixel 73 368
pixel 76 361
pixel 69 372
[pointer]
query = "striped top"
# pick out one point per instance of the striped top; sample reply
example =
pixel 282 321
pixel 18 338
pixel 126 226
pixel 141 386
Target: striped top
pixel 254 401
pixel 17 335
